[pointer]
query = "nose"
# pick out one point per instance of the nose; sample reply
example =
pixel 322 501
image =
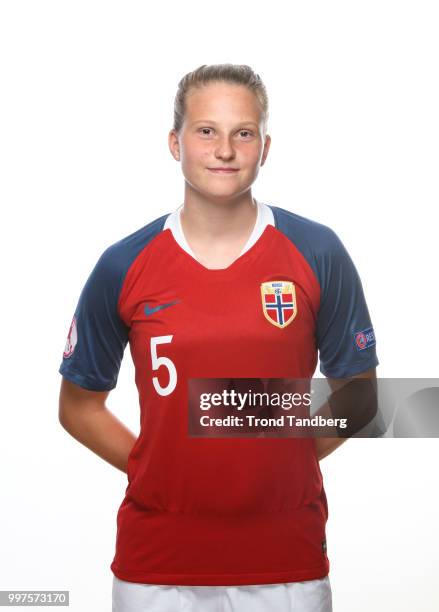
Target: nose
pixel 224 149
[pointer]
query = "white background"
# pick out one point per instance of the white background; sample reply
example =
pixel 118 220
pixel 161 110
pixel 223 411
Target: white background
pixel 87 92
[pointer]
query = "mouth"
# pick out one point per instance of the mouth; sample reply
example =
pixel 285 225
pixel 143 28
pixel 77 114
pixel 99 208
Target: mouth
pixel 223 170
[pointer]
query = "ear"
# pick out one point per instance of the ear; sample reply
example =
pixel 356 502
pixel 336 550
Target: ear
pixel 266 149
pixel 174 145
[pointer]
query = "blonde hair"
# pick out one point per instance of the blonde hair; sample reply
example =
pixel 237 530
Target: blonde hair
pixel 239 74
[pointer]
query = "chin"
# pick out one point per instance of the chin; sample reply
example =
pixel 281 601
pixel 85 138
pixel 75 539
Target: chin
pixel 214 190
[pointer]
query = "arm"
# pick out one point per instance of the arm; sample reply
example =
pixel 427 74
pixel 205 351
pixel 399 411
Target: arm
pixel 325 446
pixel 84 415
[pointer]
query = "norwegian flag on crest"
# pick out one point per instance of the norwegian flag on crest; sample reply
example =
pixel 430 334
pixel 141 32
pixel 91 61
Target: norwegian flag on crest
pixel 279 302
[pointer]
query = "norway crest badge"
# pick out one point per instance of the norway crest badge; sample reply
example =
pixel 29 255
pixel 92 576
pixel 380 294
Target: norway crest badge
pixel 279 302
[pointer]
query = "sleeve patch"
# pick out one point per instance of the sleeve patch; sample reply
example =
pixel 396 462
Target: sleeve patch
pixel 72 339
pixel 364 338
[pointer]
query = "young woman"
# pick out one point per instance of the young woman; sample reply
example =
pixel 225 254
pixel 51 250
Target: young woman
pixel 223 286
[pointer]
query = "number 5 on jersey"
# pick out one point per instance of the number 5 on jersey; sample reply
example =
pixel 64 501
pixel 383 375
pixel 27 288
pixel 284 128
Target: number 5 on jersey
pixel 159 361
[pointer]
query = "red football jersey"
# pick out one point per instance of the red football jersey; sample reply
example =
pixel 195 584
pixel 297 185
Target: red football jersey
pixel 220 511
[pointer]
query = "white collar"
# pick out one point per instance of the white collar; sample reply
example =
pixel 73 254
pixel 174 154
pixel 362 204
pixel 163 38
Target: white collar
pixel 264 218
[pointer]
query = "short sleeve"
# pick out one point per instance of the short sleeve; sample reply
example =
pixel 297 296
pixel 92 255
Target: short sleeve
pixel 345 335
pixel 97 336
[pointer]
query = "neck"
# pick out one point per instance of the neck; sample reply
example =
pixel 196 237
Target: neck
pixel 208 218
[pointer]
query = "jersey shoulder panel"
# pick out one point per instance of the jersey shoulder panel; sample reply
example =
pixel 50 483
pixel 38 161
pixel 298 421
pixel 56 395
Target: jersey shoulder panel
pixel 98 336
pixel 344 333
pixel 313 239
pixel 121 254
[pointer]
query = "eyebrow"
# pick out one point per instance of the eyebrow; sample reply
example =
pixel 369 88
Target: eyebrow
pixel 215 123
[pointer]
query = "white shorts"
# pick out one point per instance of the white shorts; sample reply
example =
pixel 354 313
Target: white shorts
pixel 307 596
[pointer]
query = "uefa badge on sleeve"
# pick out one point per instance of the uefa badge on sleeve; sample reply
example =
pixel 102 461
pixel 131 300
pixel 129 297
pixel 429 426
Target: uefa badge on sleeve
pixel 364 338
pixel 279 302
pixel 72 339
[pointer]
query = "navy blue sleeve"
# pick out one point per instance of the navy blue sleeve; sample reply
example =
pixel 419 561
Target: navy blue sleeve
pixel 345 336
pixel 97 337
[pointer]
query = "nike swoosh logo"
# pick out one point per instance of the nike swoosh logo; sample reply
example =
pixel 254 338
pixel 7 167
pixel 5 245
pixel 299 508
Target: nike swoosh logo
pixel 149 310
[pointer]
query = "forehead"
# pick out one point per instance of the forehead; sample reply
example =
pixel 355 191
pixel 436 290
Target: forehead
pixel 219 99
